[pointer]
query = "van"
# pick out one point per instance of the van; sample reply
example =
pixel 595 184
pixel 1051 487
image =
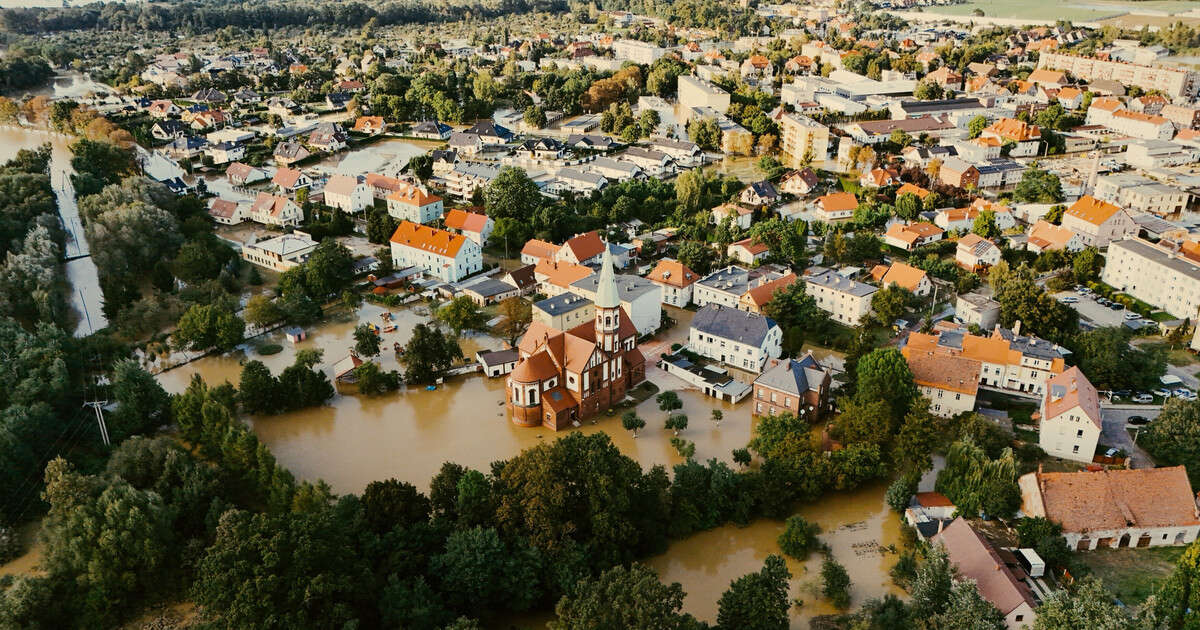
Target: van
pixel 1031 562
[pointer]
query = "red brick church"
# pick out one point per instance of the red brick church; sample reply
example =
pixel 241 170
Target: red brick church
pixel 562 377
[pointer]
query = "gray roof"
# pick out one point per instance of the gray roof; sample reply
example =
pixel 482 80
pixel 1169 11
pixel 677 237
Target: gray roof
pixel 1157 255
pixel 733 324
pixel 488 288
pixel 831 279
pixel 562 303
pixel 497 357
pixel 735 280
pixel 794 376
pixel 629 287
pixel 477 169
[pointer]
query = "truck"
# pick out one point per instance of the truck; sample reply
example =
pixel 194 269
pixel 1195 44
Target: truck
pixel 1032 562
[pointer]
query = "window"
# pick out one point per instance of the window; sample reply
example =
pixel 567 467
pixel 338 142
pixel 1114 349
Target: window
pixel 1079 433
pixel 1019 618
pixel 1075 449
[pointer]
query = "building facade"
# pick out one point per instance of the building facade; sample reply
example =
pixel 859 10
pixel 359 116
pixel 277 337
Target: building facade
pixel 1154 274
pixel 444 255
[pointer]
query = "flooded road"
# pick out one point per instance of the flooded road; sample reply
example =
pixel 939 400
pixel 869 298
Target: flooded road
pixel 385 156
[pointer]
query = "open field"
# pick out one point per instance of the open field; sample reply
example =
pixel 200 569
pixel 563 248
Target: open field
pixel 1132 575
pixel 1126 14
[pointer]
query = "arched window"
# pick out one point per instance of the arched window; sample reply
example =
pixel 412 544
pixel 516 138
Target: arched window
pixel 608 320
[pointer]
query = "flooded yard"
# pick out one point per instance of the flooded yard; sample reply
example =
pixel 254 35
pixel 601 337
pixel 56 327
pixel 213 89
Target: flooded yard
pixel 385 156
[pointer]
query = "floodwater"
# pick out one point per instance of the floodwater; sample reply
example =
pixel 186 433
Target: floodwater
pixel 86 298
pixel 27 562
pixel 385 156
pixel 71 84
pixel 857 526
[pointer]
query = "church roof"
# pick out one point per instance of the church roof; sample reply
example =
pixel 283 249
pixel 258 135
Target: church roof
pixel 607 295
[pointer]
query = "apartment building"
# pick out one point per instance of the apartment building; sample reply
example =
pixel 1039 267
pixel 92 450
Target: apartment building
pixel 977 309
pixel 414 203
pixel 799 386
pixel 1096 222
pixel 1007 360
pixel 951 383
pixel 1139 125
pixel 444 255
pixel 727 286
pixel 734 337
pixel 801 137
pixel 847 301
pixel 676 280
pixel 696 92
pixel 1069 424
pixel 1173 82
pixel 636 51
pixel 465 177
pixel 1154 274
pixel 1139 195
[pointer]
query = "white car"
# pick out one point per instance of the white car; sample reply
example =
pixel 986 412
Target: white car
pixel 1143 398
pixel 1162 393
pixel 1070 299
pixel 1130 316
pixel 1184 393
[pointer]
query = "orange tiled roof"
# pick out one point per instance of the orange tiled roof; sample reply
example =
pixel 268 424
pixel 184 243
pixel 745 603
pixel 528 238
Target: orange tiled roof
pixel 1070 389
pixel 906 276
pixel 1115 499
pixel 562 274
pixel 1013 129
pixel 834 202
pixel 672 272
pixel 946 372
pixel 465 221
pixel 762 294
pixel 1069 93
pixel 1107 104
pixel 364 122
pixel 586 245
pixel 912 189
pixel 539 249
pixel 1092 210
pixel 1043 75
pixel 1149 118
pixel 1046 235
pixel 414 196
pixel 432 240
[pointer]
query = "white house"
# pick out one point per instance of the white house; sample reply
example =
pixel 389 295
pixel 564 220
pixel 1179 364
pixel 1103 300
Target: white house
pixel 475 226
pixel 1069 424
pixel 271 209
pixel 414 203
pixel 975 252
pixel 348 193
pixel 735 337
pixel 444 255
pixel 675 279
pixel 975 559
pixel 641 299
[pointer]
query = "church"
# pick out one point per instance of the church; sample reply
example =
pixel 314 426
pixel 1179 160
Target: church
pixel 563 377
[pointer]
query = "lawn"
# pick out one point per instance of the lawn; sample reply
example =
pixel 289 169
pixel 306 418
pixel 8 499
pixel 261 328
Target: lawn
pixel 1131 575
pixel 850 184
pixel 1179 357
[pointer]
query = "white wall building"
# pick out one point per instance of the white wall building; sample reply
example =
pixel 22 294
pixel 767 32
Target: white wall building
pixel 1157 276
pixel 444 255
pixel 1070 422
pixel 736 338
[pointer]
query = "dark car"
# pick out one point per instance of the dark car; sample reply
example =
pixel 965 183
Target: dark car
pixel 1116 306
pixel 1137 420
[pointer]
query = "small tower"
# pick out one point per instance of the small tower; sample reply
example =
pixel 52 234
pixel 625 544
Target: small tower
pixel 608 307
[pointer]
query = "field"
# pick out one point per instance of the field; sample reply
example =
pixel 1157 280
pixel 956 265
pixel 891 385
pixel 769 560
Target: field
pixel 1078 11
pixel 1131 575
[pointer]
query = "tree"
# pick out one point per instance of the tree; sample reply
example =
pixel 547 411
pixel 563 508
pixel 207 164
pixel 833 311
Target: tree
pixel 261 312
pixel 373 380
pixel 705 132
pixel 1174 437
pixel 366 342
pixel 1173 606
pixel 462 313
pixel 717 416
pixel 391 503
pixel 1022 299
pixel 301 385
pixel 1111 362
pixel 1085 605
pixel 421 166
pixel 883 374
pixel 741 456
pixel 908 206
pixel 757 601
pixel 985 225
pixel 535 117
pixel 142 404
pixel 329 268
pixel 978 484
pixel 976 125
pixel 696 256
pixel 900 493
pixel 516 314
pixel 631 422
pixel 863 421
pixel 928 91
pixel 889 303
pixel 1044 537
pixel 428 353
pixel 799 537
pixel 668 401
pixel 478 569
pixel 1086 265
pixel 512 195
pixel 623 598
pixel 966 609
pixel 689 190
pixel 676 422
pixel 798 314
pixel 931 587
pixel 835 583
pixel 206 327
pixel 919 435
pixel 1038 186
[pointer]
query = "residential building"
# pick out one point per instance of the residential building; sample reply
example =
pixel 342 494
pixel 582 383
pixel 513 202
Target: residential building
pixel 1173 82
pixel 348 193
pixel 760 194
pixel 466 177
pixel 443 255
pixel 696 92
pixel 975 559
pixel 799 182
pixel 847 301
pixel 1182 116
pixel 1158 275
pixel 1097 222
pixel 977 309
pixel 489 291
pixel 370 125
pixel 797 386
pixel 1139 125
pixel 802 140
pixel 735 337
pixel 879 131
pixel 1069 422
pixel 1137 507
pixel 640 298
pixel 489 132
pixel 958 173
pixel 271 209
pixel 555 278
pixel 1008 361
pixel 1152 154
pixel 565 376
pixel 583 183
pixel 682 152
pixel 912 235
pixel 279 253
pixel 675 279
pixel 289 180
pixel 976 253
pixel 1045 237
pixel 655 163
pixel 614 169
pixel 739 215
pixel 226 212
pixel 1025 138
pixel 581 249
pixel 240 174
pixel 475 226
pixel 836 206
pixel 1139 195
pixel 756 299
pixel 726 286
pixel 637 51
pixel 949 382
pixel 748 251
pixel 536 251
pixel 415 204
pixel 430 130
pixel 564 311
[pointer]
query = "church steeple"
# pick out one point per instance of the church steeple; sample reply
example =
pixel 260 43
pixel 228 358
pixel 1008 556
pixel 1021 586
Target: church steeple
pixel 608 306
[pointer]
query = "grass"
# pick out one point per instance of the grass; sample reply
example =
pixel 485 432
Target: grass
pixel 849 184
pixel 1131 575
pixel 1179 357
pixel 1162 316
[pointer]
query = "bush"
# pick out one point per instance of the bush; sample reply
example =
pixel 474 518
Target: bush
pixel 900 493
pixel 267 349
pixel 835 583
pixel 799 537
pixel 10 544
pixel 905 569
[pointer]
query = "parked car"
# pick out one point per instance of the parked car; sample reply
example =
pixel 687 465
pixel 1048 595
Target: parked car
pixel 1103 302
pixel 1143 398
pixel 1190 395
pixel 1130 316
pixel 1112 452
pixel 1182 392
pixel 1116 306
pixel 1137 420
pixel 1162 393
pixel 1070 299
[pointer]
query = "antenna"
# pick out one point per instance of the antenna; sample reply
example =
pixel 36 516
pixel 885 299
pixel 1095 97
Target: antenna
pixel 95 396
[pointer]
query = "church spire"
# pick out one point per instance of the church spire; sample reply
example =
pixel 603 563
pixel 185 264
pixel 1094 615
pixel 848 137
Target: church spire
pixel 607 295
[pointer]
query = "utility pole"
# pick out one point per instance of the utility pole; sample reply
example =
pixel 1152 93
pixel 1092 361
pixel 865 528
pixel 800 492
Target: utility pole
pixel 96 399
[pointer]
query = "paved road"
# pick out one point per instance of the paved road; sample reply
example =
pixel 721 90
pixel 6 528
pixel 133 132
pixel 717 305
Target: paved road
pixel 1093 312
pixel 1113 432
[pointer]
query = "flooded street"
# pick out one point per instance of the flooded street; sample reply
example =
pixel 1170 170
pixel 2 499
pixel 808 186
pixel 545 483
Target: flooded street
pixel 385 156
pixel 856 525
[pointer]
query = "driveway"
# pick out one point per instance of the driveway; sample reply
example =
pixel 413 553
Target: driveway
pixel 1090 311
pixel 1113 432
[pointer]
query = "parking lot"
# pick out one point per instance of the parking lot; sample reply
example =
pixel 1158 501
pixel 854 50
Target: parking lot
pixel 1114 433
pixel 1093 312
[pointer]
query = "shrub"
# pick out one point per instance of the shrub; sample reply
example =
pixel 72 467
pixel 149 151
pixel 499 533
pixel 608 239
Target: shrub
pixel 10 544
pixel 268 349
pixel 836 583
pixel 799 537
pixel 900 493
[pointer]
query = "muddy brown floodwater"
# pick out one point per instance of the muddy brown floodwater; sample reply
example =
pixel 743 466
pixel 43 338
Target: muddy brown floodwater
pixel 408 435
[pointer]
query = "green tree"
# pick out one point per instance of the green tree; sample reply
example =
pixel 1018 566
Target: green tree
pixel 676 422
pixel 978 484
pixel 516 314
pixel 391 503
pixel 899 494
pixel 908 206
pixel 1111 362
pixel 920 434
pixel 512 195
pixel 1038 186
pixel 373 380
pixel 757 601
pixel 928 91
pixel 966 609
pixel 1174 605
pixel 261 311
pixel 428 353
pixel 623 598
pixel 142 404
pixel 696 256
pixel 206 327
pixel 366 342
pixel 329 268
pixel 631 422
pixel 931 587
pixel 478 570
pixel 462 313
pixel 883 374
pixel 985 225
pixel 1045 537
pixel 1086 265
pixel 302 384
pixel 835 583
pixel 1173 438
pixel 689 189
pixel 1022 299
pixel 706 133
pixel 976 125
pixel 1085 605
pixel 864 421
pixel 534 117
pixel 889 303
pixel 799 537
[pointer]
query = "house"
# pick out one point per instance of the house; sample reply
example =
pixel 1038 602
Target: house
pixel 536 251
pixel 759 194
pixel 640 299
pixel 847 301
pixel 415 204
pixel 564 311
pixel 1069 422
pixel 907 277
pixel 977 309
pixel 443 255
pixel 958 173
pixel 226 212
pixel 186 147
pixel 615 170
pixel 240 174
pixel 590 142
pixel 497 362
pixel 430 130
pixel 735 337
pixel 290 180
pixel 566 376
pixel 949 382
pixel 577 181
pixel 739 215
pixel 1051 78
pixel 1071 98
pixel 797 386
pixel 490 133
pixel 1045 236
pixel 225 152
pixel 523 278
pixel 1163 275
pixel 288 153
pixel 975 559
pixel 1024 137
pixel 209 95
pixel 489 291
pixel 913 189
pixel 271 209
pixel 466 143
pixel 555 278
pixel 210 119
pixel 754 300
pixel 581 249
pixel 654 163
pixel 799 182
pixel 540 149
pixel 370 125
pixel 1139 125
pixel 169 129
pixel 328 137
pixel 748 251
pixel 443 161
pixel 1096 222
pixel 727 286
pixel 1139 507
pixel 946 77
pixel 475 226
pixel 163 109
pixel 976 253
pixel 348 193
pixel 835 206
pixel 682 152
pixel 675 279
pixel 279 253
pixel 1008 360
pixel 912 235
pixel 879 177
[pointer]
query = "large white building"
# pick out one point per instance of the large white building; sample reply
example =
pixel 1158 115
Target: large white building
pixel 735 337
pixel 1155 275
pixel 1173 82
pixel 348 194
pixel 414 203
pixel 636 51
pixel 847 301
pixel 444 255
pixel 696 92
pixel 641 299
pixel 1070 424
